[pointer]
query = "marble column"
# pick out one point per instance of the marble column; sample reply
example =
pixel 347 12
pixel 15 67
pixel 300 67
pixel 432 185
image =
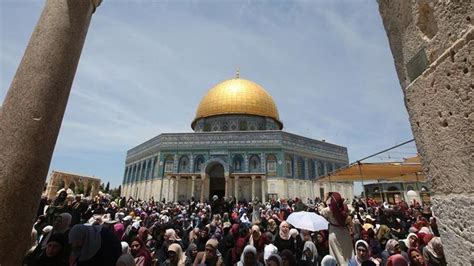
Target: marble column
pixel 226 193
pixel 193 183
pixel 253 187
pixel 264 183
pixel 236 188
pixel 295 185
pixel 203 181
pixel 176 189
pixel 168 190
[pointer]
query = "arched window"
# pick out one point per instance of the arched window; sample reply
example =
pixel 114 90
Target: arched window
pixel 238 163
pixel 169 164
pixel 198 163
pixel 410 188
pixel 254 164
pixel 288 165
pixel 183 164
pixel 300 167
pixel 271 163
pixel 424 189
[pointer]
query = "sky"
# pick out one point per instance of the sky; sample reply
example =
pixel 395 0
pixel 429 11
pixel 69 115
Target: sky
pixel 147 64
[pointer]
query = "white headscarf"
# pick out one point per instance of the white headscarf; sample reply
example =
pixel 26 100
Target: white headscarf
pixel 269 250
pixel 312 247
pixel 329 260
pixel 248 249
pixel 244 219
pixel 407 240
pixel 89 237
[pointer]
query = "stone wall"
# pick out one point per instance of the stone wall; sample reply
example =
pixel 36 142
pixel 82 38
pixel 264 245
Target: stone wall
pixel 431 42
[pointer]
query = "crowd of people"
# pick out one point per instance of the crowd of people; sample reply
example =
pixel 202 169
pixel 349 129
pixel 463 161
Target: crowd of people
pixel 72 230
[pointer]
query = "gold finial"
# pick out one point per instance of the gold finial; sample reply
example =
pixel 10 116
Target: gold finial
pixel 237 73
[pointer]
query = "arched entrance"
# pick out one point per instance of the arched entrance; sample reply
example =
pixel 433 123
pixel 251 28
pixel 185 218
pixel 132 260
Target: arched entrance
pixel 216 181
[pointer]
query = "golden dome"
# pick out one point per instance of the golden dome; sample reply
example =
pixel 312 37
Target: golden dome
pixel 237 96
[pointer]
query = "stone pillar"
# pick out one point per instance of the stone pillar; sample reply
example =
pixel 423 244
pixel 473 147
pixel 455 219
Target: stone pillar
pixel 176 189
pixel 432 46
pixel 253 187
pixel 236 188
pixel 295 185
pixel 226 193
pixel 264 185
pixel 193 183
pixel 168 190
pixel 203 181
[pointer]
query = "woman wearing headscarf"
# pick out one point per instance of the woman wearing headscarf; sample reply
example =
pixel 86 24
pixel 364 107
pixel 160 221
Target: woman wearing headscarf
pixel 411 241
pixel 340 241
pixel 60 226
pixel 274 260
pixel 397 260
pixel 416 258
pixel 210 256
pixel 53 254
pixel 310 254
pixel 244 219
pixel 288 258
pixel 362 254
pixel 433 253
pixel 176 256
pixel 392 247
pixel 191 253
pixel 140 253
pixel 258 240
pixel 297 242
pixel 93 245
pixel 272 228
pixel 126 259
pixel 249 257
pixel 283 239
pixel 119 230
pixel 322 245
pixel 328 260
pixel 170 237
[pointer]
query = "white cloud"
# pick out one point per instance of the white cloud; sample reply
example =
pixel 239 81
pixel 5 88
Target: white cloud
pixel 146 65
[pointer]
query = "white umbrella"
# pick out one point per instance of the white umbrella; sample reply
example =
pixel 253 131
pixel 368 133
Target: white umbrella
pixel 308 221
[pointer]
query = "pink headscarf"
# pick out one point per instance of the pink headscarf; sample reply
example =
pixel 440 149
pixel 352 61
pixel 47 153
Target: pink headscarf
pixel 284 232
pixel 119 230
pixel 396 260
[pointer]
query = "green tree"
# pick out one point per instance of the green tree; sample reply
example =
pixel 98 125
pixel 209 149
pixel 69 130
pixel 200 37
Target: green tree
pixel 107 187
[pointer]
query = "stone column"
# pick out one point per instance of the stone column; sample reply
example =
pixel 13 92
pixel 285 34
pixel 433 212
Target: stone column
pixel 264 184
pixel 236 188
pixel 226 193
pixel 193 183
pixel 203 181
pixel 168 190
pixel 176 189
pixel 432 47
pixel 253 187
pixel 295 185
